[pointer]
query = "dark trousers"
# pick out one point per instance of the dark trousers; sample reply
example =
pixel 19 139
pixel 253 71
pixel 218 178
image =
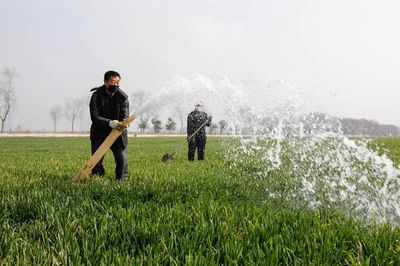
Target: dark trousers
pixel 198 143
pixel 120 157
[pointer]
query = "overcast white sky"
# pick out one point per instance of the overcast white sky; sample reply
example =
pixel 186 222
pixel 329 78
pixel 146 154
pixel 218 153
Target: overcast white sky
pixel 348 48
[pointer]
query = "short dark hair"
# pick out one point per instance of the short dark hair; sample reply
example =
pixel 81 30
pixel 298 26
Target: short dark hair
pixel 110 74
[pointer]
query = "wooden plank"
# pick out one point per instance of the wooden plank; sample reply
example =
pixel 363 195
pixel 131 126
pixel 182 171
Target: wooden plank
pixel 104 147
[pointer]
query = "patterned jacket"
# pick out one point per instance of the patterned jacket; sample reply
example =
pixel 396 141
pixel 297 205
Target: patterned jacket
pixel 195 120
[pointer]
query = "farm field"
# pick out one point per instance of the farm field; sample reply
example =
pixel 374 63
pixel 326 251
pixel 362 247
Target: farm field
pixel 199 213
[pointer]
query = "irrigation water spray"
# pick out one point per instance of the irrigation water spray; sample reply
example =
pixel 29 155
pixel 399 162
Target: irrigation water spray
pixel 282 137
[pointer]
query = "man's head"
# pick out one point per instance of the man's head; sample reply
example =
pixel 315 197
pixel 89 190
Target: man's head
pixel 111 81
pixel 199 107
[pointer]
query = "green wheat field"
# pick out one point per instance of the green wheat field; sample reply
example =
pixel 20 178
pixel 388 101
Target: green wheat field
pixel 182 213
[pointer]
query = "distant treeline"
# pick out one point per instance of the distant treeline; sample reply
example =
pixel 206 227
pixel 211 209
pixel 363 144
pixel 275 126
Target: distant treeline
pixel 314 123
pixel 351 126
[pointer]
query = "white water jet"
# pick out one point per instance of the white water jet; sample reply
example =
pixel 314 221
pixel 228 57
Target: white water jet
pixel 281 136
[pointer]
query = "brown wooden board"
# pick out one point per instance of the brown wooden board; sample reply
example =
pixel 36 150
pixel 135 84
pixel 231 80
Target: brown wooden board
pixel 104 147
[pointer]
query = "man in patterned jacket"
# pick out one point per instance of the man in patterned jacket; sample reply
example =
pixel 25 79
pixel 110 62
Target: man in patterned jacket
pixel 196 119
pixel 108 106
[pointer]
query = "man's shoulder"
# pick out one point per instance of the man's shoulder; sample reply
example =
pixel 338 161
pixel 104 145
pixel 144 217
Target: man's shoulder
pixel 123 94
pixel 197 114
pixel 96 88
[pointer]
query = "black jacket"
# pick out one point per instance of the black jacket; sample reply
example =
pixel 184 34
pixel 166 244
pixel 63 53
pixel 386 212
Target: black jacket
pixel 104 108
pixel 195 120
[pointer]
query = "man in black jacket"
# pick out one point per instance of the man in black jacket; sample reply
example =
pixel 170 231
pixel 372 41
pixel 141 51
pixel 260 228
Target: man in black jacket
pixel 196 119
pixel 108 106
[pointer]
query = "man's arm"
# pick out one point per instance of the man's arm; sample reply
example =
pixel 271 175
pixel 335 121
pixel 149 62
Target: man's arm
pixel 189 124
pixel 94 113
pixel 124 113
pixel 208 119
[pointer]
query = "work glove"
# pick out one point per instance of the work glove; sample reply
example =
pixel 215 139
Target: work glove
pixel 113 123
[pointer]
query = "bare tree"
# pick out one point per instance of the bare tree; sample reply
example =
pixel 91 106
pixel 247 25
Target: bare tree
pixel 144 112
pixel 170 125
pixel 7 95
pixel 213 128
pixel 249 118
pixel 222 126
pixel 143 123
pixel 55 114
pixel 73 111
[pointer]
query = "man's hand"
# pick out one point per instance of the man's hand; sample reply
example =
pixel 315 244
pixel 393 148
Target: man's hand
pixel 209 119
pixel 121 126
pixel 113 123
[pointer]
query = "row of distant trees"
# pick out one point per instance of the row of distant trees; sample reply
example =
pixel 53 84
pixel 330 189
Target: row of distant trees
pixel 170 126
pixel 149 123
pixel 147 120
pixel 312 123
pixel 72 110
